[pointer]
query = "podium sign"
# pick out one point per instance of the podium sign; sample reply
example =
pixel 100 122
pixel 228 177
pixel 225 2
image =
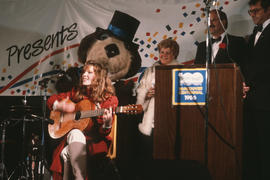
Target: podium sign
pixel 189 86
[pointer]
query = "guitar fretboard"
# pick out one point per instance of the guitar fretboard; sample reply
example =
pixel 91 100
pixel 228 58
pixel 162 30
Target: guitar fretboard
pixel 97 112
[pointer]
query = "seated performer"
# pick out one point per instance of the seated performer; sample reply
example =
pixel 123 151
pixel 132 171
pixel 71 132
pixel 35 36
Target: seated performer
pixel 71 157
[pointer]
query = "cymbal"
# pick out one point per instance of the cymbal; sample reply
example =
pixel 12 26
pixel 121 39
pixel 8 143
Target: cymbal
pixel 22 112
pixel 23 119
pixel 21 108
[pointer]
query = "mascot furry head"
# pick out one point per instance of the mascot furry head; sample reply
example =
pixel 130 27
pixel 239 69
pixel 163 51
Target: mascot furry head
pixel 113 47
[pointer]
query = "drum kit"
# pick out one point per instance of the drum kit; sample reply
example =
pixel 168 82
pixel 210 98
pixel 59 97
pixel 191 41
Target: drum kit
pixel 32 164
pixel 28 167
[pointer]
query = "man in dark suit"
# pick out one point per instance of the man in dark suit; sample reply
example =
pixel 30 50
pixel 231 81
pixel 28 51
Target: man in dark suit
pixel 258 97
pixel 223 48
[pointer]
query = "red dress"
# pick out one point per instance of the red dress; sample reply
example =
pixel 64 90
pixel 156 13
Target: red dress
pixel 98 142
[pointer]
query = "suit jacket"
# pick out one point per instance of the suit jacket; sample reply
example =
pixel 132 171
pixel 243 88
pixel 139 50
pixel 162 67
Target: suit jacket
pixel 258 71
pixel 233 52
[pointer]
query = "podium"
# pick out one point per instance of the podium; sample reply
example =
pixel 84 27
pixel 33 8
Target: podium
pixel 179 131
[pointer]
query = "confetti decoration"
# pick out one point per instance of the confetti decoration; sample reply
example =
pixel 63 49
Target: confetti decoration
pixel 181 25
pixel 197 5
pixel 168 28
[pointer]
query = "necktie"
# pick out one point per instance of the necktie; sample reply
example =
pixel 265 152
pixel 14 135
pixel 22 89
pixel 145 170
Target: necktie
pixel 215 40
pixel 257 28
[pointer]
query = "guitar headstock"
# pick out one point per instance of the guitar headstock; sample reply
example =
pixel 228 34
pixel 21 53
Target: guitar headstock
pixel 131 109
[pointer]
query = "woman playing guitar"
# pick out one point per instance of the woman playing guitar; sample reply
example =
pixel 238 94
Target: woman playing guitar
pixel 89 136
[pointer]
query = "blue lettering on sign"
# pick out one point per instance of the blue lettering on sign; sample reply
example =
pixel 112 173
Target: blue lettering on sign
pixel 189 86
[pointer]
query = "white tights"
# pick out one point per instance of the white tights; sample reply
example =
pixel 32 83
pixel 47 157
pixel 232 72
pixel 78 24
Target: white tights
pixel 74 155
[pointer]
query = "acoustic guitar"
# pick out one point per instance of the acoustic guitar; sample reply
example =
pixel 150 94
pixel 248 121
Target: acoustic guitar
pixel 84 111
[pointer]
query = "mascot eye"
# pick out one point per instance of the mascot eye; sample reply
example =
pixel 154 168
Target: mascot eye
pixel 103 36
pixel 111 50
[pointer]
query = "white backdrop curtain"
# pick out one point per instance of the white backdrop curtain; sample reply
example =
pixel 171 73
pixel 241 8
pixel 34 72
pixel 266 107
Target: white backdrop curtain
pixel 25 24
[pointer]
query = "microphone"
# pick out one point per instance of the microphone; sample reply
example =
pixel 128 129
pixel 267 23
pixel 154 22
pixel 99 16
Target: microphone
pixel 61 73
pixel 207 2
pixel 58 73
pixel 64 74
pixel 50 121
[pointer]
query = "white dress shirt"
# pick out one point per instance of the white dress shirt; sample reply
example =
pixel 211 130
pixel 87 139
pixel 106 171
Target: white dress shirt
pixel 260 32
pixel 215 47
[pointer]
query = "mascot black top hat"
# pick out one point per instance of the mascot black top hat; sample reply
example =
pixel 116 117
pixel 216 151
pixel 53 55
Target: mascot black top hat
pixel 114 47
pixel 123 26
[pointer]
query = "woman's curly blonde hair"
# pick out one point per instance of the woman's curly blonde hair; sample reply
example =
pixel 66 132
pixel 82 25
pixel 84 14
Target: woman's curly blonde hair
pixel 101 87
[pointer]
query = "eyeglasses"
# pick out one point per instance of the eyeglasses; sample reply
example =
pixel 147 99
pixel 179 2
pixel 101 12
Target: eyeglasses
pixel 254 11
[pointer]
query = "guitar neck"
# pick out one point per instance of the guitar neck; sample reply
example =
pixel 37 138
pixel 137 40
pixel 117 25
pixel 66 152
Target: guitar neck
pixel 94 113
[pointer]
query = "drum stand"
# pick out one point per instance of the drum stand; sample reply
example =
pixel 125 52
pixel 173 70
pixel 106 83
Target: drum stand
pixel 42 164
pixel 3 171
pixel 22 172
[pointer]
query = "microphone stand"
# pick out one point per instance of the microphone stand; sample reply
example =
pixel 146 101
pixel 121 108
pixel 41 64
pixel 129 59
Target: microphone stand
pixel 41 163
pixel 208 60
pixel 3 171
